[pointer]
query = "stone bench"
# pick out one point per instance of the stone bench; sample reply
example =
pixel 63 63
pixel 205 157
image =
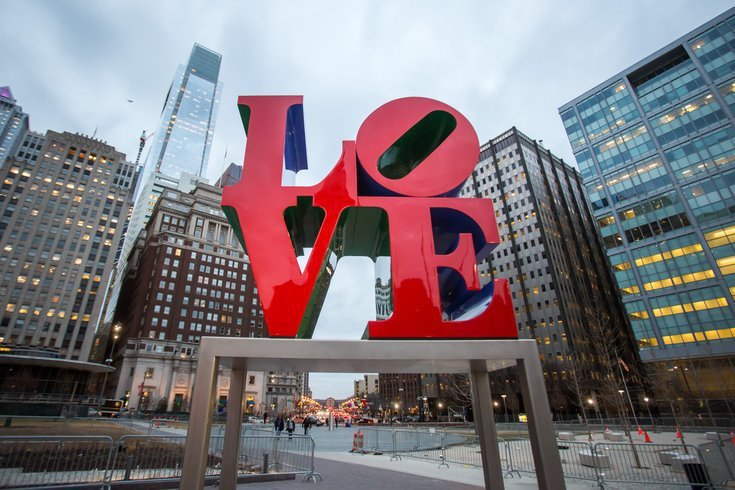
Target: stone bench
pixel 567 436
pixel 678 462
pixel 614 436
pixel 666 457
pixel 596 460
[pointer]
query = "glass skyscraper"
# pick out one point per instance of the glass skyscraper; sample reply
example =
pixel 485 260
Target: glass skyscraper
pixel 184 136
pixel 655 146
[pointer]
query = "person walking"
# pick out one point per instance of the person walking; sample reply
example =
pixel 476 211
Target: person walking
pixel 278 425
pixel 306 425
pixel 290 426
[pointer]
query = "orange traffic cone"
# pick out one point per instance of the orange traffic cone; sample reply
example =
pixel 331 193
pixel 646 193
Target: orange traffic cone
pixel 640 431
pixel 678 433
pixel 648 438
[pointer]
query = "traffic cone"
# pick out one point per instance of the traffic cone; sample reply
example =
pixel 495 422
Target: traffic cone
pixel 648 438
pixel 732 437
pixel 640 431
pixel 678 433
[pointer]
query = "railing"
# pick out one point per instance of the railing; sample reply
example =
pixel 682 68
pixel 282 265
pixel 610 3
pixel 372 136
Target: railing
pixel 604 462
pixel 54 460
pixel 86 460
pixel 719 458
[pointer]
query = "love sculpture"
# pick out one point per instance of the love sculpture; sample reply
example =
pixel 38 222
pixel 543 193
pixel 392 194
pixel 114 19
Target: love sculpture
pixel 393 192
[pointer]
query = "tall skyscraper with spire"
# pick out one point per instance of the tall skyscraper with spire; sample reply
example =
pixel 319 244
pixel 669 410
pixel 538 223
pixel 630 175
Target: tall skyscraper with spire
pixel 179 154
pixel 184 136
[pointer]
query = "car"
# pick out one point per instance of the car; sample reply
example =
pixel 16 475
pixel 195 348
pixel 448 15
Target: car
pixel 365 421
pixel 253 420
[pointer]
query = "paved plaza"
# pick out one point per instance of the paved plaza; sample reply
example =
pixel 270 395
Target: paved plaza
pixel 341 469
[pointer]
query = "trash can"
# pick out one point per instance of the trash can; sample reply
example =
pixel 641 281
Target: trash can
pixel 696 475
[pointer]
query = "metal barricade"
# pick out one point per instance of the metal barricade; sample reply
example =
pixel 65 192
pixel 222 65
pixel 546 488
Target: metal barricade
pixel 462 449
pixel 645 463
pixel 268 454
pixel 378 440
pixel 53 460
pixel 576 457
pixel 719 458
pixel 144 457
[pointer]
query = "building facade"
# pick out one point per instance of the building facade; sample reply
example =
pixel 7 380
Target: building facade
pixel 62 209
pixel 13 124
pixel 187 277
pixel 560 281
pixel 655 145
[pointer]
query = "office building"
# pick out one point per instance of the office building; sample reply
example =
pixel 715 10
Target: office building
pixel 180 150
pixel 560 282
pixel 187 277
pixel 655 145
pixel 184 136
pixel 13 124
pixel 62 209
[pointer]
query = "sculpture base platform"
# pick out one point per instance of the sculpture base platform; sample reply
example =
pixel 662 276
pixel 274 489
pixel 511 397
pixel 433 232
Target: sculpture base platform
pixel 477 357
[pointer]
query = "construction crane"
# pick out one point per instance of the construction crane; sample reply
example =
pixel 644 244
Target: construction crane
pixel 143 139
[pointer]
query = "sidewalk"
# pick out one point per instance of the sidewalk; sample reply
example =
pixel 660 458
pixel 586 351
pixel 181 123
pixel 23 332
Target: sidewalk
pixel 341 470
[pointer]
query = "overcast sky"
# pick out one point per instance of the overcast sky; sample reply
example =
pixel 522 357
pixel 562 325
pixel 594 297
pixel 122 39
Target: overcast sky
pixel 73 66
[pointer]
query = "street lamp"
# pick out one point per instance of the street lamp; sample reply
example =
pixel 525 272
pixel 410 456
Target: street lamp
pixel 505 409
pixel 115 335
pixel 400 393
pixel 496 404
pixel 646 399
pixel 592 403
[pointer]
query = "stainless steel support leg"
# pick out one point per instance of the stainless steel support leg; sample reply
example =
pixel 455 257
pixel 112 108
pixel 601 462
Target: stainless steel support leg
pixel 200 420
pixel 540 426
pixel 485 425
pixel 233 429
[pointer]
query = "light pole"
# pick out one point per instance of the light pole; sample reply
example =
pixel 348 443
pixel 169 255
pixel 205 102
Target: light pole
pixel 400 394
pixel 505 409
pixel 592 403
pixel 648 407
pixel 426 408
pixel 496 405
pixel 439 406
pixel 115 335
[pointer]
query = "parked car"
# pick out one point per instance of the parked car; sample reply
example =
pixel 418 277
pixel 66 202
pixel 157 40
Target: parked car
pixel 365 421
pixel 253 420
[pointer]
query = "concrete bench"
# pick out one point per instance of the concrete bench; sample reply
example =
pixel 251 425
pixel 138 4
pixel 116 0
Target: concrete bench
pixel 678 462
pixel 666 457
pixel 596 460
pixel 614 436
pixel 567 436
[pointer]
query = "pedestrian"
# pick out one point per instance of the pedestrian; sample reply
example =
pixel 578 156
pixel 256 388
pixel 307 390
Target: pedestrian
pixel 290 426
pixel 265 417
pixel 278 424
pixel 306 424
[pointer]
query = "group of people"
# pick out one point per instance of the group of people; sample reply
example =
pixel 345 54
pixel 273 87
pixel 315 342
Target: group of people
pixel 290 425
